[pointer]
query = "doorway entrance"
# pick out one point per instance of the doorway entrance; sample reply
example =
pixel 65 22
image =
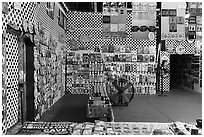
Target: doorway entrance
pixel 181 71
pixel 26 79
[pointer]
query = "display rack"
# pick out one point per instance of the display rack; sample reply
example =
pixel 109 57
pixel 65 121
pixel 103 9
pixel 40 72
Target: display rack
pixel 137 66
pixel 108 128
pixel 48 74
pixel 84 69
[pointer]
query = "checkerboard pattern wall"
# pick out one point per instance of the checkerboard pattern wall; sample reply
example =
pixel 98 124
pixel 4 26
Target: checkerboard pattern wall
pixel 15 16
pixel 172 44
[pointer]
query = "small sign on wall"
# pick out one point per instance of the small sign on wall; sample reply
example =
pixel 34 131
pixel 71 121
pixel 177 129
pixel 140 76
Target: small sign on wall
pixel 5 8
pixel 151 36
pixel 180 50
pixel 17 5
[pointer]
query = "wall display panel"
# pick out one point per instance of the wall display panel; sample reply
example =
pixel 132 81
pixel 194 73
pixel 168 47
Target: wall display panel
pixel 175 12
pixel 165 24
pixel 117 53
pixel 117 16
pixel 48 60
pixel 122 15
pixel 142 20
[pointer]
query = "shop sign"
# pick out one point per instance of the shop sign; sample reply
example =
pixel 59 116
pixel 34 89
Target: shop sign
pixel 180 50
pixel 55 130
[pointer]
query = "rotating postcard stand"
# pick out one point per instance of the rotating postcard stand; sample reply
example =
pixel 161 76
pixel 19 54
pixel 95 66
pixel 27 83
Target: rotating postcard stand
pixel 163 73
pixel 161 70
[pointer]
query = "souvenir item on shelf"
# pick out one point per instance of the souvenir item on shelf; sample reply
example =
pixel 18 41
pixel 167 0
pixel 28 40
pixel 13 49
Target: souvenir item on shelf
pixel 106 35
pixel 146 49
pixel 121 27
pixel 122 48
pixel 128 57
pixel 172 12
pixel 106 27
pixel 134 57
pixel 152 28
pixel 146 58
pixel 139 58
pixel 106 19
pixel 106 10
pixel 140 50
pixel 172 27
pixel 30 27
pixel 151 58
pixel 143 28
pixel 5 8
pixel 110 48
pixel 135 28
pixel 127 49
pixel 114 27
pixel 36 28
pixel 114 10
pixel 73 44
pixel 25 25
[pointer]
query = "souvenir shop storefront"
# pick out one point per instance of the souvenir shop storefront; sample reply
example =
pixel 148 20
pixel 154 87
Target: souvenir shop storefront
pixel 126 49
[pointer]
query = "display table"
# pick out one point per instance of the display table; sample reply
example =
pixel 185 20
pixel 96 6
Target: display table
pixel 105 128
pixel 99 105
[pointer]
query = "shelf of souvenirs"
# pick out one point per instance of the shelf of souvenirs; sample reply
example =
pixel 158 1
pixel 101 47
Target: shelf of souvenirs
pixel 109 128
pixel 140 89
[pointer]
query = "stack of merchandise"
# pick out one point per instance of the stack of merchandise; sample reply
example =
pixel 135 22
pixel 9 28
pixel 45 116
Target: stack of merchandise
pixel 97 128
pixel 182 128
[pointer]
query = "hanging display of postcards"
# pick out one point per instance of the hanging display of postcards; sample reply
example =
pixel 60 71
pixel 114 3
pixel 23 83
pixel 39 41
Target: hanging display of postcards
pixel 194 30
pixel 114 19
pixel 48 86
pixel 143 20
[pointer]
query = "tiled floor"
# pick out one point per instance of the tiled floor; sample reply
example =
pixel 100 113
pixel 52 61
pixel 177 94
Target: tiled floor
pixel 178 105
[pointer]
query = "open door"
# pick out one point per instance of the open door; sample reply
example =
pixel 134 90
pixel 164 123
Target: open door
pixel 26 79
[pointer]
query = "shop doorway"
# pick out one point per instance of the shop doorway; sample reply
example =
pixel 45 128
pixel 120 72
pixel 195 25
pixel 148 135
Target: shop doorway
pixel 181 71
pixel 26 79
